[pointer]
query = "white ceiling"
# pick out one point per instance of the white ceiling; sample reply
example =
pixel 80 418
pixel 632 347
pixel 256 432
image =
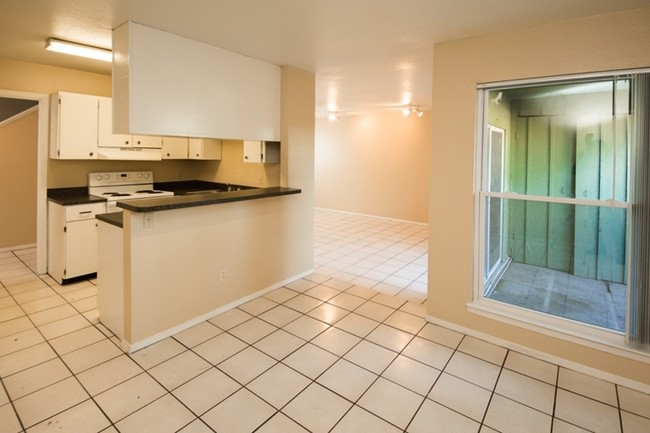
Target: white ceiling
pixel 366 54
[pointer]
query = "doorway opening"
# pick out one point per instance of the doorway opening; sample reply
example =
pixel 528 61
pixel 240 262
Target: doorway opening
pixel 41 101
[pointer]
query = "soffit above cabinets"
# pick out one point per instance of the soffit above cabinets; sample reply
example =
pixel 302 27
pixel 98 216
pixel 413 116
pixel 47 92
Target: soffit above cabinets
pixel 164 84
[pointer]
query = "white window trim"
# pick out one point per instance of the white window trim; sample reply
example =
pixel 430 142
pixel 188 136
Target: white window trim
pixel 591 336
pixel 594 337
pixel 561 78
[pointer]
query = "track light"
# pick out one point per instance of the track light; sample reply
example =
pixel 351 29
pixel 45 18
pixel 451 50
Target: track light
pixel 81 50
pixel 407 111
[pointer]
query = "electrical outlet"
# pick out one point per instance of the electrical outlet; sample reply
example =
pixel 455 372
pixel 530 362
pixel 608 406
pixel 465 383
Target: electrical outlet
pixel 222 275
pixel 147 220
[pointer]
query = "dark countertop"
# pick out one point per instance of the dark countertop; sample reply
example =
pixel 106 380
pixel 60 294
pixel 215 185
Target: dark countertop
pixel 72 196
pixel 113 218
pixel 183 187
pixel 79 195
pixel 192 200
pixel 187 193
pixel 204 199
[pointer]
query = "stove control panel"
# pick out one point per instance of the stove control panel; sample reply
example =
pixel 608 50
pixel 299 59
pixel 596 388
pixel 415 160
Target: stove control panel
pixel 120 178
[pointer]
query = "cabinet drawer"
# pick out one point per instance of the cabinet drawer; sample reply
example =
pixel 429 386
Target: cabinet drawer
pixel 84 211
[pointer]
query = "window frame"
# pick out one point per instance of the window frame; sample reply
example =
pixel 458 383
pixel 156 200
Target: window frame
pixel 567 329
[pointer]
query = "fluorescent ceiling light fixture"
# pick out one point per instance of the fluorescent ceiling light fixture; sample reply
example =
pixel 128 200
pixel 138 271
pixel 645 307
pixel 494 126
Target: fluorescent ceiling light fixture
pixel 74 49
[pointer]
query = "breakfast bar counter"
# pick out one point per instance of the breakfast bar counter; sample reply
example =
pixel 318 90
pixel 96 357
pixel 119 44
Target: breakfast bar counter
pixel 168 263
pixel 204 199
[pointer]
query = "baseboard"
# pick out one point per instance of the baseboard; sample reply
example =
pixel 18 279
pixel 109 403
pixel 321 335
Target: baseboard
pixel 17 248
pixel 609 377
pixel 372 216
pixel 138 345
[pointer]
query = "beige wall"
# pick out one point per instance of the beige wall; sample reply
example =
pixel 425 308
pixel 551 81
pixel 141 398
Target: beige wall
pixel 32 77
pixel 600 43
pixel 374 163
pixel 233 169
pixel 18 145
pixel 67 173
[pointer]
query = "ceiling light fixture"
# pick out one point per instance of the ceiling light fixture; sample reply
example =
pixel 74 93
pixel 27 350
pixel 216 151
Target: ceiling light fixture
pixel 332 116
pixel 407 111
pixel 81 50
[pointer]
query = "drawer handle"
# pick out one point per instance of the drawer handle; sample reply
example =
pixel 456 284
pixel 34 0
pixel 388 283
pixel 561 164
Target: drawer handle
pixel 84 212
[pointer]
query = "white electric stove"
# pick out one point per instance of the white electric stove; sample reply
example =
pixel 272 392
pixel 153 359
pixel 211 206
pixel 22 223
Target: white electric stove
pixel 123 185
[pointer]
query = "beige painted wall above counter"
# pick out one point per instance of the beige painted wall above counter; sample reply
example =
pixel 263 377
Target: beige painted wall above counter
pixel 230 169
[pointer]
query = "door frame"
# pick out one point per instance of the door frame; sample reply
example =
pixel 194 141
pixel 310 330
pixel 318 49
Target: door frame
pixel 41 171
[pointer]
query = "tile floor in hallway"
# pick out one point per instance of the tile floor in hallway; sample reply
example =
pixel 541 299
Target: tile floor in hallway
pixel 325 353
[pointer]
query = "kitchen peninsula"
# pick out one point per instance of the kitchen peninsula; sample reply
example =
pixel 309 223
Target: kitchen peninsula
pixel 168 263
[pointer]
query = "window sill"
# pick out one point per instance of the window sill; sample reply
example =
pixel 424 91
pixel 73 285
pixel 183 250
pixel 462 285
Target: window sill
pixel 565 329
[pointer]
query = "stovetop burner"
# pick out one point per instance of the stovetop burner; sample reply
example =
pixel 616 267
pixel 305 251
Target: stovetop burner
pixel 116 194
pixel 149 191
pixel 127 185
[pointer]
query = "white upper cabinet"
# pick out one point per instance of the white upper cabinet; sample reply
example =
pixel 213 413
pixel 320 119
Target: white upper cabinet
pixel 266 152
pixel 174 147
pixel 205 148
pixel 164 84
pixel 150 141
pixel 73 126
pixel 106 137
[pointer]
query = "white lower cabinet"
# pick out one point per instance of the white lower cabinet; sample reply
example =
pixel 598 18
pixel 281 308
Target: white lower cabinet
pixel 72 240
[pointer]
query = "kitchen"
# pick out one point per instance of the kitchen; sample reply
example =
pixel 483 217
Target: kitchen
pixel 171 172
pixel 232 169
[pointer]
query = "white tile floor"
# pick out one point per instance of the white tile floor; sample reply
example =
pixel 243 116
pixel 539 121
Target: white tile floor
pixel 343 350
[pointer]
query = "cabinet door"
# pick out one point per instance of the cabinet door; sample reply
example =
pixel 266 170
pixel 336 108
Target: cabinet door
pixel 105 136
pixel 205 148
pixel 149 141
pixel 270 152
pixel 81 248
pixel 174 147
pixel 262 151
pixel 74 126
pixel 252 151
